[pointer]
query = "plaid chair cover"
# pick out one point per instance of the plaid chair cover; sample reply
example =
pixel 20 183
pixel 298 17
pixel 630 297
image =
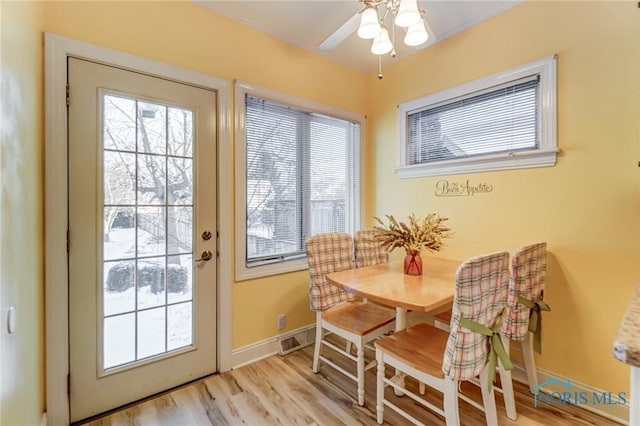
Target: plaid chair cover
pixel 328 253
pixel 481 296
pixel 368 249
pixel 528 275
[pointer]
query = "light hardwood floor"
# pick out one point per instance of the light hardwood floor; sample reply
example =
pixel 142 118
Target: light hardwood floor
pixel 284 391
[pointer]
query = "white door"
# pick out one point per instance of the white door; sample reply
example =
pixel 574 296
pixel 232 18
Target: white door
pixel 142 235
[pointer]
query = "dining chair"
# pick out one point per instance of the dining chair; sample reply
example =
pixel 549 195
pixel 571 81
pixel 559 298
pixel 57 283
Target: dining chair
pixel 523 322
pixel 368 250
pixel 337 311
pixel 472 349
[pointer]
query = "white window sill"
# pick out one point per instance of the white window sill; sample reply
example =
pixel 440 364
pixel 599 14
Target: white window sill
pixel 246 273
pixel 485 163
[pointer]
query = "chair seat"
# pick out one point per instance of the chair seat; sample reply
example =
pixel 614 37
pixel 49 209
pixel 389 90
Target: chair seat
pixel 421 346
pixel 359 318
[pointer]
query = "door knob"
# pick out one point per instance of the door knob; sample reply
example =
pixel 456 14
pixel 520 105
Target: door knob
pixel 206 256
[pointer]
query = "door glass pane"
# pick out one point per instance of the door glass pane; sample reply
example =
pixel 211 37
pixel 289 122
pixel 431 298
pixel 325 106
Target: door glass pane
pixel 120 123
pixel 148 229
pixel 179 278
pixel 119 340
pixel 180 186
pixel 119 237
pixel 151 231
pixel 151 179
pixel 151 332
pixel 151 288
pixel 119 287
pixel 152 129
pixel 180 139
pixel 179 331
pixel 180 230
pixel 119 177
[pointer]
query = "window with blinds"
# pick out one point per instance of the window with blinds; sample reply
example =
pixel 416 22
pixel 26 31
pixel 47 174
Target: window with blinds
pixel 301 178
pixel 498 122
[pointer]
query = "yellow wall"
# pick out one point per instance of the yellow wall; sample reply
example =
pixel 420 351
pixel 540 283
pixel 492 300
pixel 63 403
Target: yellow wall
pixel 211 44
pixel 586 207
pixel 21 220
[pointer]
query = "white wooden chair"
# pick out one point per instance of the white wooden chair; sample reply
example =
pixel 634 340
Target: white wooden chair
pixel 523 321
pixel 442 359
pixel 337 311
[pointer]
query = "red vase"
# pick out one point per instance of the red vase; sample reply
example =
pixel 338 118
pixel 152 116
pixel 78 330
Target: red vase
pixel 413 263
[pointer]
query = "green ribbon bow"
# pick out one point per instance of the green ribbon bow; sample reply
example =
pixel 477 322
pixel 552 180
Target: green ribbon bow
pixel 535 320
pixel 496 348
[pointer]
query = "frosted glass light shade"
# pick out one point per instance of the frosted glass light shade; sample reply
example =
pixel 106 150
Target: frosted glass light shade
pixel 369 24
pixel 416 34
pixel 381 43
pixel 408 13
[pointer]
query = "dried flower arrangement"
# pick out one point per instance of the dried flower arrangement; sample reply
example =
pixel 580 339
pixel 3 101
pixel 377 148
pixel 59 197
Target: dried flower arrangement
pixel 419 233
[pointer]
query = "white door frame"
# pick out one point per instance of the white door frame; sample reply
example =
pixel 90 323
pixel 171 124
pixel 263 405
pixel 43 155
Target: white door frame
pixel 57 49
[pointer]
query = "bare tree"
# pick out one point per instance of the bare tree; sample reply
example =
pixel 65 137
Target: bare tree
pixel 148 161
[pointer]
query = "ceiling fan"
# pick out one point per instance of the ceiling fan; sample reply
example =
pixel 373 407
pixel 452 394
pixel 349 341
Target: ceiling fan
pixel 371 22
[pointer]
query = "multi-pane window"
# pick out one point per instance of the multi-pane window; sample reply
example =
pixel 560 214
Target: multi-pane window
pixel 148 215
pixel 501 121
pixel 301 174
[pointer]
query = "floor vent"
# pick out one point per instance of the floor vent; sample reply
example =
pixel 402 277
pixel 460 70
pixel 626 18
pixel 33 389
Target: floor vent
pixel 290 343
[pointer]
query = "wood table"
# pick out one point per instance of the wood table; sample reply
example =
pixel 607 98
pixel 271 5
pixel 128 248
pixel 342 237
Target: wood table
pixel 387 284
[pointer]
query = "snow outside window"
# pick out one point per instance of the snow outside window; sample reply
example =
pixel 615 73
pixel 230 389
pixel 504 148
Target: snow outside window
pixel 300 174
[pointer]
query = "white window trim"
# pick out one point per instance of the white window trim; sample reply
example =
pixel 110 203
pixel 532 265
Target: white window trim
pixel 544 156
pixel 241 90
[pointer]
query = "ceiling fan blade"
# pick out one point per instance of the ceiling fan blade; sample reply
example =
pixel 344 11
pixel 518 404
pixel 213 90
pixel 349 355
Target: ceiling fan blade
pixel 342 33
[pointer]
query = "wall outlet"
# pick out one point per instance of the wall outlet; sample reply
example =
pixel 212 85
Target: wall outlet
pixel 282 320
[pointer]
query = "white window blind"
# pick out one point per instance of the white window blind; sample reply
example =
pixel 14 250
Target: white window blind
pixel 500 119
pixel 500 122
pixel 302 172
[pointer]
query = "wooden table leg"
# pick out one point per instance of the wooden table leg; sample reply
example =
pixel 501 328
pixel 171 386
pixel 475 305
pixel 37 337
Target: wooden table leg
pixel 401 319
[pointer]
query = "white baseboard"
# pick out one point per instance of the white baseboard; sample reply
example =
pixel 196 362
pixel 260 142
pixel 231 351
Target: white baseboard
pixel 43 421
pixel 617 413
pixel 262 349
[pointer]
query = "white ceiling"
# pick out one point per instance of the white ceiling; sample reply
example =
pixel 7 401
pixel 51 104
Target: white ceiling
pixel 307 23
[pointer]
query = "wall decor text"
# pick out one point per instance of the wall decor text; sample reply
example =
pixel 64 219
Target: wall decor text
pixel 446 188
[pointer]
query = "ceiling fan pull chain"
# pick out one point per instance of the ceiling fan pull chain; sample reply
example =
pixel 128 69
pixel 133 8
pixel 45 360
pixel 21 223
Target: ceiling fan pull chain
pixel 379 67
pixel 393 41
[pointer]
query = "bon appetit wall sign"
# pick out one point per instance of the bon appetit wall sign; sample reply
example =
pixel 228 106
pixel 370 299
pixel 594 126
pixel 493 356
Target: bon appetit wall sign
pixel 447 188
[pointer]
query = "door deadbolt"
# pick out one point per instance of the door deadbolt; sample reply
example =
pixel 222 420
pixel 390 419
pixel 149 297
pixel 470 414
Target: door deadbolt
pixel 206 235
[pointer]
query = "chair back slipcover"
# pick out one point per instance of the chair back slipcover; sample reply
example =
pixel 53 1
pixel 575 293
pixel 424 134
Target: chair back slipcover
pixel 480 296
pixel 368 250
pixel 326 253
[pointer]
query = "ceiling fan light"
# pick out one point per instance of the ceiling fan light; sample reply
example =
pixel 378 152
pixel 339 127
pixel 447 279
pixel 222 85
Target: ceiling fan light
pixel 381 43
pixel 369 24
pixel 416 34
pixel 408 13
